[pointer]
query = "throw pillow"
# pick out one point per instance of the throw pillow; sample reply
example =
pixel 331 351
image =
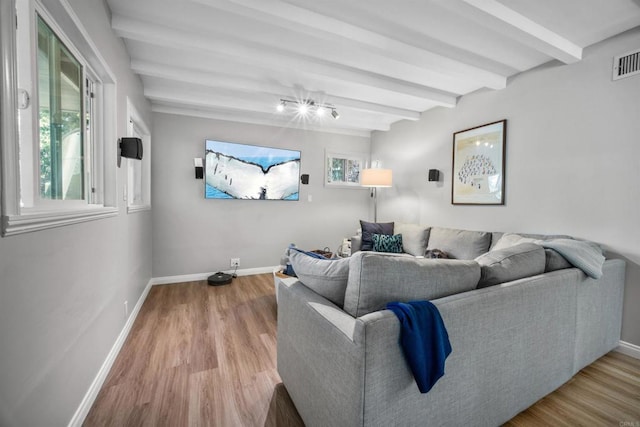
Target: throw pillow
pixel 510 239
pixel 512 263
pixel 459 244
pixel 371 228
pixel 386 243
pixel 414 237
pixel 326 277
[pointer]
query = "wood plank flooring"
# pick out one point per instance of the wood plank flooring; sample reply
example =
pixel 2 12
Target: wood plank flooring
pixel 202 355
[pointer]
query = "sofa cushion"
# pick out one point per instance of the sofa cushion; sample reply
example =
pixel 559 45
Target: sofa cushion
pixel 376 279
pixel 371 228
pixel 553 260
pixel 387 243
pixel 511 263
pixel 414 237
pixel 326 277
pixel 459 244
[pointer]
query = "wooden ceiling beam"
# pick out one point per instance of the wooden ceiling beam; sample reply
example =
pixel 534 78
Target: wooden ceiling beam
pixel 527 31
pixel 308 22
pixel 274 90
pixel 164 36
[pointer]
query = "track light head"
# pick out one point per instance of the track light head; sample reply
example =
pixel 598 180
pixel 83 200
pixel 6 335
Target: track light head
pixel 305 106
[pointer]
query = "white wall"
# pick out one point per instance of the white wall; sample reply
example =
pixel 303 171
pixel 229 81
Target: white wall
pixel 572 160
pixel 193 235
pixel 62 290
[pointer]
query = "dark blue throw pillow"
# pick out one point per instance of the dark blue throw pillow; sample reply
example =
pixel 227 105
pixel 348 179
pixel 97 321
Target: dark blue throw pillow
pixel 386 243
pixel 371 228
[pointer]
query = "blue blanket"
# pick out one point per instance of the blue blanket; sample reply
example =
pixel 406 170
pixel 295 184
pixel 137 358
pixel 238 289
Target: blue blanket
pixel 424 340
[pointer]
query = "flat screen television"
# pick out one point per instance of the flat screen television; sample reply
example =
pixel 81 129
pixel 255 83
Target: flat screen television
pixel 242 171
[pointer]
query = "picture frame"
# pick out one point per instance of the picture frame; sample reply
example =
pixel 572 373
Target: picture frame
pixel 479 165
pixel 250 172
pixel 342 170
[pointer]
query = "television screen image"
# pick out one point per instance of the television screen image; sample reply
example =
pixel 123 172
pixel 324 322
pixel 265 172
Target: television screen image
pixel 242 171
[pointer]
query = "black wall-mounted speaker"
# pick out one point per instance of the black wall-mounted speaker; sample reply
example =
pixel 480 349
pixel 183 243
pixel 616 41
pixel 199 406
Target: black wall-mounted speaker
pixel 304 178
pixel 434 175
pixel 131 148
pixel 199 172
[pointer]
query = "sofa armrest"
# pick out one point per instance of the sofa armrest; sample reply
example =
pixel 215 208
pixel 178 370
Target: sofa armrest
pixel 319 361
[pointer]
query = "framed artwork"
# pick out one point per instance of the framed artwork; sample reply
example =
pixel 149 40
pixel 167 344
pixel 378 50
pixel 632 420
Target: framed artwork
pixel 342 170
pixel 242 171
pixel 478 165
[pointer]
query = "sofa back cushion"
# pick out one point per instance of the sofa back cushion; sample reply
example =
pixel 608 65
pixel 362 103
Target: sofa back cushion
pixel 554 261
pixel 459 244
pixel 376 279
pixel 326 277
pixel 414 237
pixel 511 263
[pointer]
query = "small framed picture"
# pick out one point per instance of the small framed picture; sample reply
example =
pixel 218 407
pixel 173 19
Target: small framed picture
pixel 342 170
pixel 479 164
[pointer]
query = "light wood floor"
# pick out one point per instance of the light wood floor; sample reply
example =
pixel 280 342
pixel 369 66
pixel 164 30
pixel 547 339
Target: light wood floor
pixel 202 355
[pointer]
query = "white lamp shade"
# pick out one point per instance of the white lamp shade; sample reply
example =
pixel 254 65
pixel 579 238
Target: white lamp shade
pixel 376 178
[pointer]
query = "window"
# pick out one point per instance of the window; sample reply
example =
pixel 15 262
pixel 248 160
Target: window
pixel 55 160
pixel 138 171
pixel 62 111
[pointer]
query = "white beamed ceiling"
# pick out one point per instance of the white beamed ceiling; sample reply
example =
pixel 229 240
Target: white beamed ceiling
pixel 376 61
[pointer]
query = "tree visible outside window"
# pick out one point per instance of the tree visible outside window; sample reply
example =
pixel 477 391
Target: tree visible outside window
pixel 60 95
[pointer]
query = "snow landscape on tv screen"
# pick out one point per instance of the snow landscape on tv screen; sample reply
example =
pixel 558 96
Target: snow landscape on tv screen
pixel 241 171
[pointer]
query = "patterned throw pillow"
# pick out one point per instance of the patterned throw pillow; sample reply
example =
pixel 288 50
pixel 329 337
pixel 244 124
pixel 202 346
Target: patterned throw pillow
pixel 387 243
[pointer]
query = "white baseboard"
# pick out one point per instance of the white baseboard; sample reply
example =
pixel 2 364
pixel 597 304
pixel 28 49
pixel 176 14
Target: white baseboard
pixel 629 349
pixel 203 276
pixel 91 395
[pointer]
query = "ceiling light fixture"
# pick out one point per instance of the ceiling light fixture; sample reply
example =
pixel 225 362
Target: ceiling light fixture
pixel 305 106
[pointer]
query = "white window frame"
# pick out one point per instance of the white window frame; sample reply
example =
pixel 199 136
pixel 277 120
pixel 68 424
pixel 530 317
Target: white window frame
pixel 136 126
pixel 21 213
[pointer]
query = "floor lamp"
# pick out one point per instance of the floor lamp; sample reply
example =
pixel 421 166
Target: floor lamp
pixel 375 178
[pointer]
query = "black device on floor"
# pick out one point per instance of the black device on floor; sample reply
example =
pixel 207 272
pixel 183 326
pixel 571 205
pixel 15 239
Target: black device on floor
pixel 219 278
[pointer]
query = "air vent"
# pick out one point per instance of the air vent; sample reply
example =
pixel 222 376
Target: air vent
pixel 626 65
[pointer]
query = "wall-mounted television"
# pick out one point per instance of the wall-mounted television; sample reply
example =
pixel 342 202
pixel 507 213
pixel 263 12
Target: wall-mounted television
pixel 242 171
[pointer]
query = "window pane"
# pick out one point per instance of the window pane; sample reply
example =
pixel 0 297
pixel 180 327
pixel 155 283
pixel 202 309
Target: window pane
pixel 137 182
pixel 60 111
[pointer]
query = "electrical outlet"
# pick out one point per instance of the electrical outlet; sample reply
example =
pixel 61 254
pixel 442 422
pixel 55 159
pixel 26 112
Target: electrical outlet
pixel 126 309
pixel 235 262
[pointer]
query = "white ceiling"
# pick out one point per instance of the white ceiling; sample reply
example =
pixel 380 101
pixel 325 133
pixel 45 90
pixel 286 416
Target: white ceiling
pixel 376 61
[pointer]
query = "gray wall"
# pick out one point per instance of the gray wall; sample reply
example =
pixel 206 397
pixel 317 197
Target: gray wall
pixel 62 290
pixel 573 158
pixel 193 235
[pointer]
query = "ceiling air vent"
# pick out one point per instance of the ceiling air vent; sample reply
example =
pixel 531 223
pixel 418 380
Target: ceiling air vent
pixel 626 65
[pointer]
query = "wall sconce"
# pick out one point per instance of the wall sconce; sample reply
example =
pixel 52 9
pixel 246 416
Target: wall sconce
pixel 304 178
pixel 434 175
pixel 197 162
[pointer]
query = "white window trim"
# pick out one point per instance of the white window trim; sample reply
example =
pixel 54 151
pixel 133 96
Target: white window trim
pixel 15 219
pixel 135 120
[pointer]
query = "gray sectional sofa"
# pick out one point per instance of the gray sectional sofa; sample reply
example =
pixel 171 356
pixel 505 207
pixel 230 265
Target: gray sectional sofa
pixel 513 341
